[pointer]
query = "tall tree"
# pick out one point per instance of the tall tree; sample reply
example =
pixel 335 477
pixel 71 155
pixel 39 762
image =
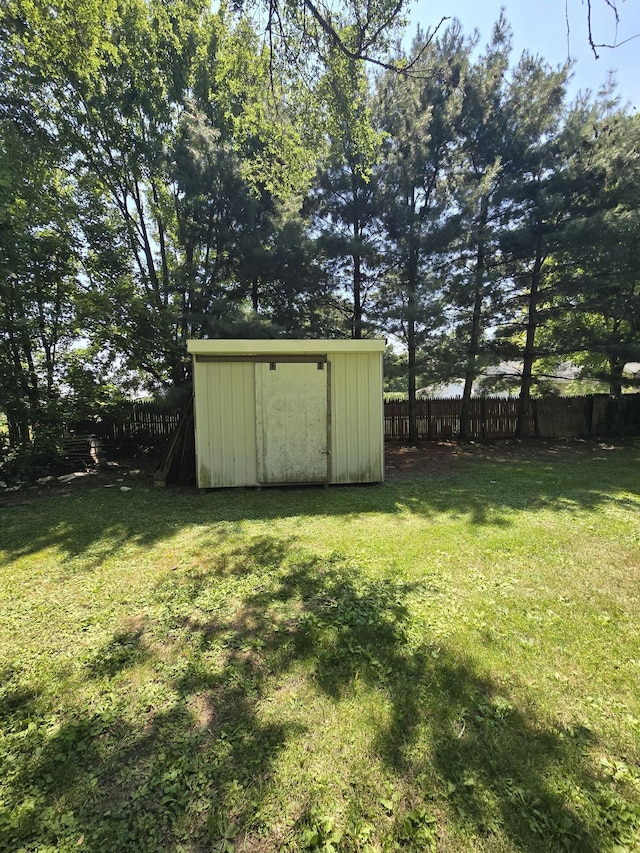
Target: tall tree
pixel 597 303
pixel 180 156
pixel 482 136
pixel 38 266
pixel 346 212
pixel 418 116
pixel 535 207
pixel 38 240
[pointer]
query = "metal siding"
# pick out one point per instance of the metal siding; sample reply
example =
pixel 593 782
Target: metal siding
pixel 356 403
pixel 201 420
pixel 291 416
pixel 339 432
pixel 376 417
pixel 226 394
pixel 363 450
pixel 225 425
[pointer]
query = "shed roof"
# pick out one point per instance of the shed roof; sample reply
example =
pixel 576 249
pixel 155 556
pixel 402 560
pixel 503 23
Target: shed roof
pixel 277 347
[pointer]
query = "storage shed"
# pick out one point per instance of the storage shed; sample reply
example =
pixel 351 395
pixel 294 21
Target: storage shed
pixel 288 411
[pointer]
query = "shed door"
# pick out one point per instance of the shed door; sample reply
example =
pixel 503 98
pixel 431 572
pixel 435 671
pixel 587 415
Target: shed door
pixel 292 422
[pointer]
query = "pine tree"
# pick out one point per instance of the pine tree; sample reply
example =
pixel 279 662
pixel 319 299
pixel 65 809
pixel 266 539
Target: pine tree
pixel 471 284
pixel 418 116
pixel 535 211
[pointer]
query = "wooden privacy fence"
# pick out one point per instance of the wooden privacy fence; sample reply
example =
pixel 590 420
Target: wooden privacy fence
pixel 147 422
pixel 492 417
pixel 437 418
pixel 144 421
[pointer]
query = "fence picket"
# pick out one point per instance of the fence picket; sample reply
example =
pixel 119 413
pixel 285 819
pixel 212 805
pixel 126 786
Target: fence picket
pixel 437 419
pixel 497 417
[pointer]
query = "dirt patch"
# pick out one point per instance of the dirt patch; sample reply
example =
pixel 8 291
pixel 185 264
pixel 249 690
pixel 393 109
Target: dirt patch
pixel 444 457
pixel 429 458
pixel 124 474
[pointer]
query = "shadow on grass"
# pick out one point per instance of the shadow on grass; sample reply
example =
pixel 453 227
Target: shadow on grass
pixel 196 768
pixel 94 525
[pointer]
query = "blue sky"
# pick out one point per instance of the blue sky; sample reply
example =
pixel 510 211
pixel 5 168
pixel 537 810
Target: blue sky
pixel 540 26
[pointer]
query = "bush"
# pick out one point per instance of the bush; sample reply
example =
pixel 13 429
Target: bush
pixel 28 463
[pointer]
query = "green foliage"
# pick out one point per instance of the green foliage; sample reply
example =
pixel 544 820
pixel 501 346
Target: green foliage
pixel 598 294
pixel 418 116
pixel 344 199
pixel 169 167
pixel 478 170
pixel 166 174
pixel 38 276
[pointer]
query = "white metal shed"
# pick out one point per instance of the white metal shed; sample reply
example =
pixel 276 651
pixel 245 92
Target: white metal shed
pixel 288 411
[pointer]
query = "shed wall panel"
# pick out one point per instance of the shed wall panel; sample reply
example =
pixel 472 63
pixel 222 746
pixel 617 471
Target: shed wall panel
pixel 225 424
pixel 229 412
pixel 356 418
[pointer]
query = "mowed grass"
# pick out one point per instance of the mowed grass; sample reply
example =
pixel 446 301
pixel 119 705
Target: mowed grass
pixel 448 662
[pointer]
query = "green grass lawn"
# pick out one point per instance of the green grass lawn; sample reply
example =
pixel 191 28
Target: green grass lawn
pixel 448 662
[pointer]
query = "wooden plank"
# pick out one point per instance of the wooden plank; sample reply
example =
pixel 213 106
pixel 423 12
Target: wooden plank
pixel 439 418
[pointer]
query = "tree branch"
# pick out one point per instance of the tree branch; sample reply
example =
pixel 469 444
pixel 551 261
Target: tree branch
pixel 613 6
pixel 361 52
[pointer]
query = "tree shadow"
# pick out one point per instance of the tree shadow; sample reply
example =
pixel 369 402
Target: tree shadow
pixel 91 527
pixel 17 702
pixel 499 765
pixel 93 524
pixel 197 768
pixel 124 650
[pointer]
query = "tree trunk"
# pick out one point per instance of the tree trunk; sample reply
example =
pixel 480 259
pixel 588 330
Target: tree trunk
pixel 529 355
pixel 356 230
pixel 163 247
pixel 474 338
pixel 357 296
pixel 411 351
pixel 470 370
pixel 412 346
pixel 616 366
